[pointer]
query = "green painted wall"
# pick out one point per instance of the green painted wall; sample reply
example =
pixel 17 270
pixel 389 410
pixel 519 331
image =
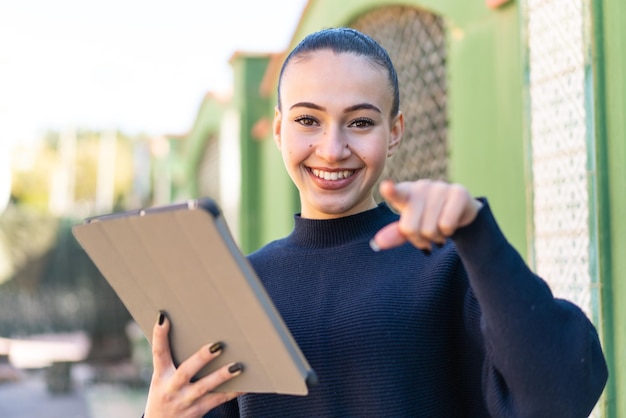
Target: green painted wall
pixel 486 115
pixel 485 97
pixel 248 73
pixel 609 57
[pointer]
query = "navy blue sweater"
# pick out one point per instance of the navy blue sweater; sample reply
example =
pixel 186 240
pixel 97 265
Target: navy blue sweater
pixel 467 331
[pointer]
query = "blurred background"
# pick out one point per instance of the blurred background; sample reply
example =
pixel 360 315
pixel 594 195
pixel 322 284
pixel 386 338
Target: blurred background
pixel 114 106
pixel 91 94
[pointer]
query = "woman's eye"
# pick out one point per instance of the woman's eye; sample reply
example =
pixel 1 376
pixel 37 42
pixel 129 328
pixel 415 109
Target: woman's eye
pixel 306 121
pixel 362 123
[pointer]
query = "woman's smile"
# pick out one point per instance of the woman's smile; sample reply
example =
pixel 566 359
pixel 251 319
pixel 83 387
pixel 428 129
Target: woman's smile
pixel 332 179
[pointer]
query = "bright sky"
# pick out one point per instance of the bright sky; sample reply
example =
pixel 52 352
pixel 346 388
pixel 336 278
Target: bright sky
pixel 133 65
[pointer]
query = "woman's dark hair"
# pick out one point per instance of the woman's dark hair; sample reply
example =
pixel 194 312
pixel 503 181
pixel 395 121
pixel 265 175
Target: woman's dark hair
pixel 347 40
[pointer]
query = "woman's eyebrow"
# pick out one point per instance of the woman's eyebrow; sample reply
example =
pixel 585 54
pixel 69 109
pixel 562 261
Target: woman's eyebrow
pixel 308 105
pixel 362 106
pixel 359 106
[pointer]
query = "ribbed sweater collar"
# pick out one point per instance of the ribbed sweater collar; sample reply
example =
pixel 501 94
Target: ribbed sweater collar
pixel 316 233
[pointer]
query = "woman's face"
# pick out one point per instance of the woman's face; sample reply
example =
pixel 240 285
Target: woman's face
pixel 335 132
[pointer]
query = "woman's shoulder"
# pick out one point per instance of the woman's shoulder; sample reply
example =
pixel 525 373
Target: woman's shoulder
pixel 267 249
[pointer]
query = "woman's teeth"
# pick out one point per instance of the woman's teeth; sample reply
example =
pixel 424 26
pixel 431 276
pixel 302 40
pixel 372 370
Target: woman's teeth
pixel 332 175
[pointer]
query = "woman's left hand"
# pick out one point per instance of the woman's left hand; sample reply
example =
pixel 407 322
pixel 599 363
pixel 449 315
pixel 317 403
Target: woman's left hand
pixel 430 211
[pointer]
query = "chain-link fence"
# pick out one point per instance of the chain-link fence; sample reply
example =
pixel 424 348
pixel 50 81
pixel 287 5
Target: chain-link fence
pixel 559 142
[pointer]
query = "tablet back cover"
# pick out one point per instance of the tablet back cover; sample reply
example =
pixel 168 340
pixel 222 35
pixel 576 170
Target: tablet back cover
pixel 182 259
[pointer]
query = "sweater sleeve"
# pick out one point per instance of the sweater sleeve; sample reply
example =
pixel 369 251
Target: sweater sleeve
pixel 542 355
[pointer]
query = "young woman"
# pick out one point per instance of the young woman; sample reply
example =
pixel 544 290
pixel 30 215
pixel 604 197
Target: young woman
pixel 427 311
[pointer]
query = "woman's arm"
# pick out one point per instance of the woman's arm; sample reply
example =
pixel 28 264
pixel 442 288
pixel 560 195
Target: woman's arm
pixel 542 355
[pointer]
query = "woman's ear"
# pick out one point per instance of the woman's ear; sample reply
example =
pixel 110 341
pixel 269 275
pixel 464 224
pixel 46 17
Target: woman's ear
pixel 278 117
pixel 397 130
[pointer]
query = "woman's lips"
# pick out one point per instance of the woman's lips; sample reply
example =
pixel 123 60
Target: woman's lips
pixel 332 179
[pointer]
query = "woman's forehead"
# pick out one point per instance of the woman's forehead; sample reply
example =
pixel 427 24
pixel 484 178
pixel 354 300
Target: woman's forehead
pixel 324 74
pixel 327 57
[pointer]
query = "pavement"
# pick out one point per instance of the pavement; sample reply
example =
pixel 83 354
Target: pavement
pixel 27 396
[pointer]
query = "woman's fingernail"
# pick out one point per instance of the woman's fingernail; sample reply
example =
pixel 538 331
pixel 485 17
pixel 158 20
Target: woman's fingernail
pixel 235 368
pixel 161 317
pixel 374 246
pixel 215 348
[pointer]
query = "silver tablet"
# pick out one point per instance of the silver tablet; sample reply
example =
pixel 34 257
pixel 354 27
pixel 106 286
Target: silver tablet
pixel 182 259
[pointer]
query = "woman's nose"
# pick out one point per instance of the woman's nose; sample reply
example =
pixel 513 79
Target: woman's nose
pixel 333 145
